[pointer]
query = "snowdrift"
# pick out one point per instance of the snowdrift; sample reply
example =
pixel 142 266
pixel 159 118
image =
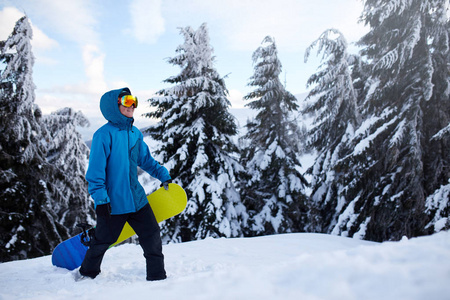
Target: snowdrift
pixel 288 266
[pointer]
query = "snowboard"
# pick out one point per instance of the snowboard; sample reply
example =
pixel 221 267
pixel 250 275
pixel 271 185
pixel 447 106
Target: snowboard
pixel 164 203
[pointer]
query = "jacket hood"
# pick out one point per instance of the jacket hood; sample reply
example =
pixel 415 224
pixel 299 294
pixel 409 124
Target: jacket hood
pixel 110 108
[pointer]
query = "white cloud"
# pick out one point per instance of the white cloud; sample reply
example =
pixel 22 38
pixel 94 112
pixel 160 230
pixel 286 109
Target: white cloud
pixel 75 20
pixel 8 18
pixel 236 98
pixel 48 103
pixel 148 23
pixel 41 41
pixel 94 67
pixel 95 84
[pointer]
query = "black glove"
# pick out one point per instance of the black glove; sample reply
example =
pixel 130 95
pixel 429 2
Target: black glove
pixel 165 184
pixel 103 210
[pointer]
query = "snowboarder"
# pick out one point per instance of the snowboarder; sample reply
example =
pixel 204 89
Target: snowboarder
pixel 117 149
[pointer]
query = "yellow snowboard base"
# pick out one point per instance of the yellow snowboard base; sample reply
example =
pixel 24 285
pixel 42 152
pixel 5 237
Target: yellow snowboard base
pixel 165 204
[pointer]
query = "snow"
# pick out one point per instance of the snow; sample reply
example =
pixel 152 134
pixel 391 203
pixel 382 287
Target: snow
pixel 440 224
pixel 439 201
pixel 289 266
pixel 346 218
pixel 442 133
pixel 365 143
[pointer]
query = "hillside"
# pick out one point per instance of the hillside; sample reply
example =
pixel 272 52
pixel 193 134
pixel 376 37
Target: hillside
pixel 288 266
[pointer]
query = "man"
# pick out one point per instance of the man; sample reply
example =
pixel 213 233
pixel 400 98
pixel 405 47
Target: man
pixel 117 150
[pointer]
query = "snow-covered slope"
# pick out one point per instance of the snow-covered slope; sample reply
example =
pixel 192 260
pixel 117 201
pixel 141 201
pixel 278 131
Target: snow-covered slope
pixel 288 266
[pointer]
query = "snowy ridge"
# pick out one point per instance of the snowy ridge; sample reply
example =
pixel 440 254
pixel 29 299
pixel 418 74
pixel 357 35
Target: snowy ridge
pixel 286 266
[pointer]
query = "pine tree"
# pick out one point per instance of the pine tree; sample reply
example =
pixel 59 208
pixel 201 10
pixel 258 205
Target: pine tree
pixel 334 100
pixel 436 133
pixel 274 192
pixel 385 193
pixel 67 151
pixel 20 127
pixel 194 132
pixel 30 225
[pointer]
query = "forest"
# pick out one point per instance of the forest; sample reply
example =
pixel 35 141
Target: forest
pixel 380 137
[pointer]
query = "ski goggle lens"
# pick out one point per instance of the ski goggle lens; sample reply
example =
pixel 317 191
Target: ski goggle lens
pixel 128 100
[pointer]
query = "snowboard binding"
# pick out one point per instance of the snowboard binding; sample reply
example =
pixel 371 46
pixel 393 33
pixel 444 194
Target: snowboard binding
pixel 87 234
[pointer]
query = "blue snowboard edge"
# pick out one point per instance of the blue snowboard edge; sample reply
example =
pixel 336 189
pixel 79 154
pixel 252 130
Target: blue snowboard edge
pixel 70 253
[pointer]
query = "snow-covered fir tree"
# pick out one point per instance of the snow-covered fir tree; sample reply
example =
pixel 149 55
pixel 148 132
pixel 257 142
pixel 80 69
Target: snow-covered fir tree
pixel 333 98
pixel 30 188
pixel 386 191
pixel 334 102
pixel 67 151
pixel 19 116
pixel 436 111
pixel 273 191
pixel 66 148
pixel 195 132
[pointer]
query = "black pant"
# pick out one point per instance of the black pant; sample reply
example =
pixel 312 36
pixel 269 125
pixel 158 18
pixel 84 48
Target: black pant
pixel 107 232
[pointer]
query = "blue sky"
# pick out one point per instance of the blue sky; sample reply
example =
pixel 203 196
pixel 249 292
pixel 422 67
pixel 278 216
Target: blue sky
pixel 84 48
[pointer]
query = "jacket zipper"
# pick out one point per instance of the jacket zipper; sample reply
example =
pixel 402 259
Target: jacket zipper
pixel 129 165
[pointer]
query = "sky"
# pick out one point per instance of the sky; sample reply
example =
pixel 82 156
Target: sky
pixel 84 48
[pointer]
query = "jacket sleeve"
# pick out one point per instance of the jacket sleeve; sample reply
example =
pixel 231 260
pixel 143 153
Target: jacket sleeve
pixel 150 165
pixel 96 173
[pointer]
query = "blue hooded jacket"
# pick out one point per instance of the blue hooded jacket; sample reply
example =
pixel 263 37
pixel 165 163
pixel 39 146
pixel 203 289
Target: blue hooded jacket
pixel 117 150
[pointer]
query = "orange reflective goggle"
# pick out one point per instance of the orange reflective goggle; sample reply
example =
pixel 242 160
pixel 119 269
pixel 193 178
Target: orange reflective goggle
pixel 128 100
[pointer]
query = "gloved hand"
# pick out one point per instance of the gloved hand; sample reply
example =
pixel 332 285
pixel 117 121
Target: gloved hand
pixel 165 184
pixel 103 210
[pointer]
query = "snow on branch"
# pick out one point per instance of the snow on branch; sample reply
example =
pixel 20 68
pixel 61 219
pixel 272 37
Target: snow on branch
pixel 443 133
